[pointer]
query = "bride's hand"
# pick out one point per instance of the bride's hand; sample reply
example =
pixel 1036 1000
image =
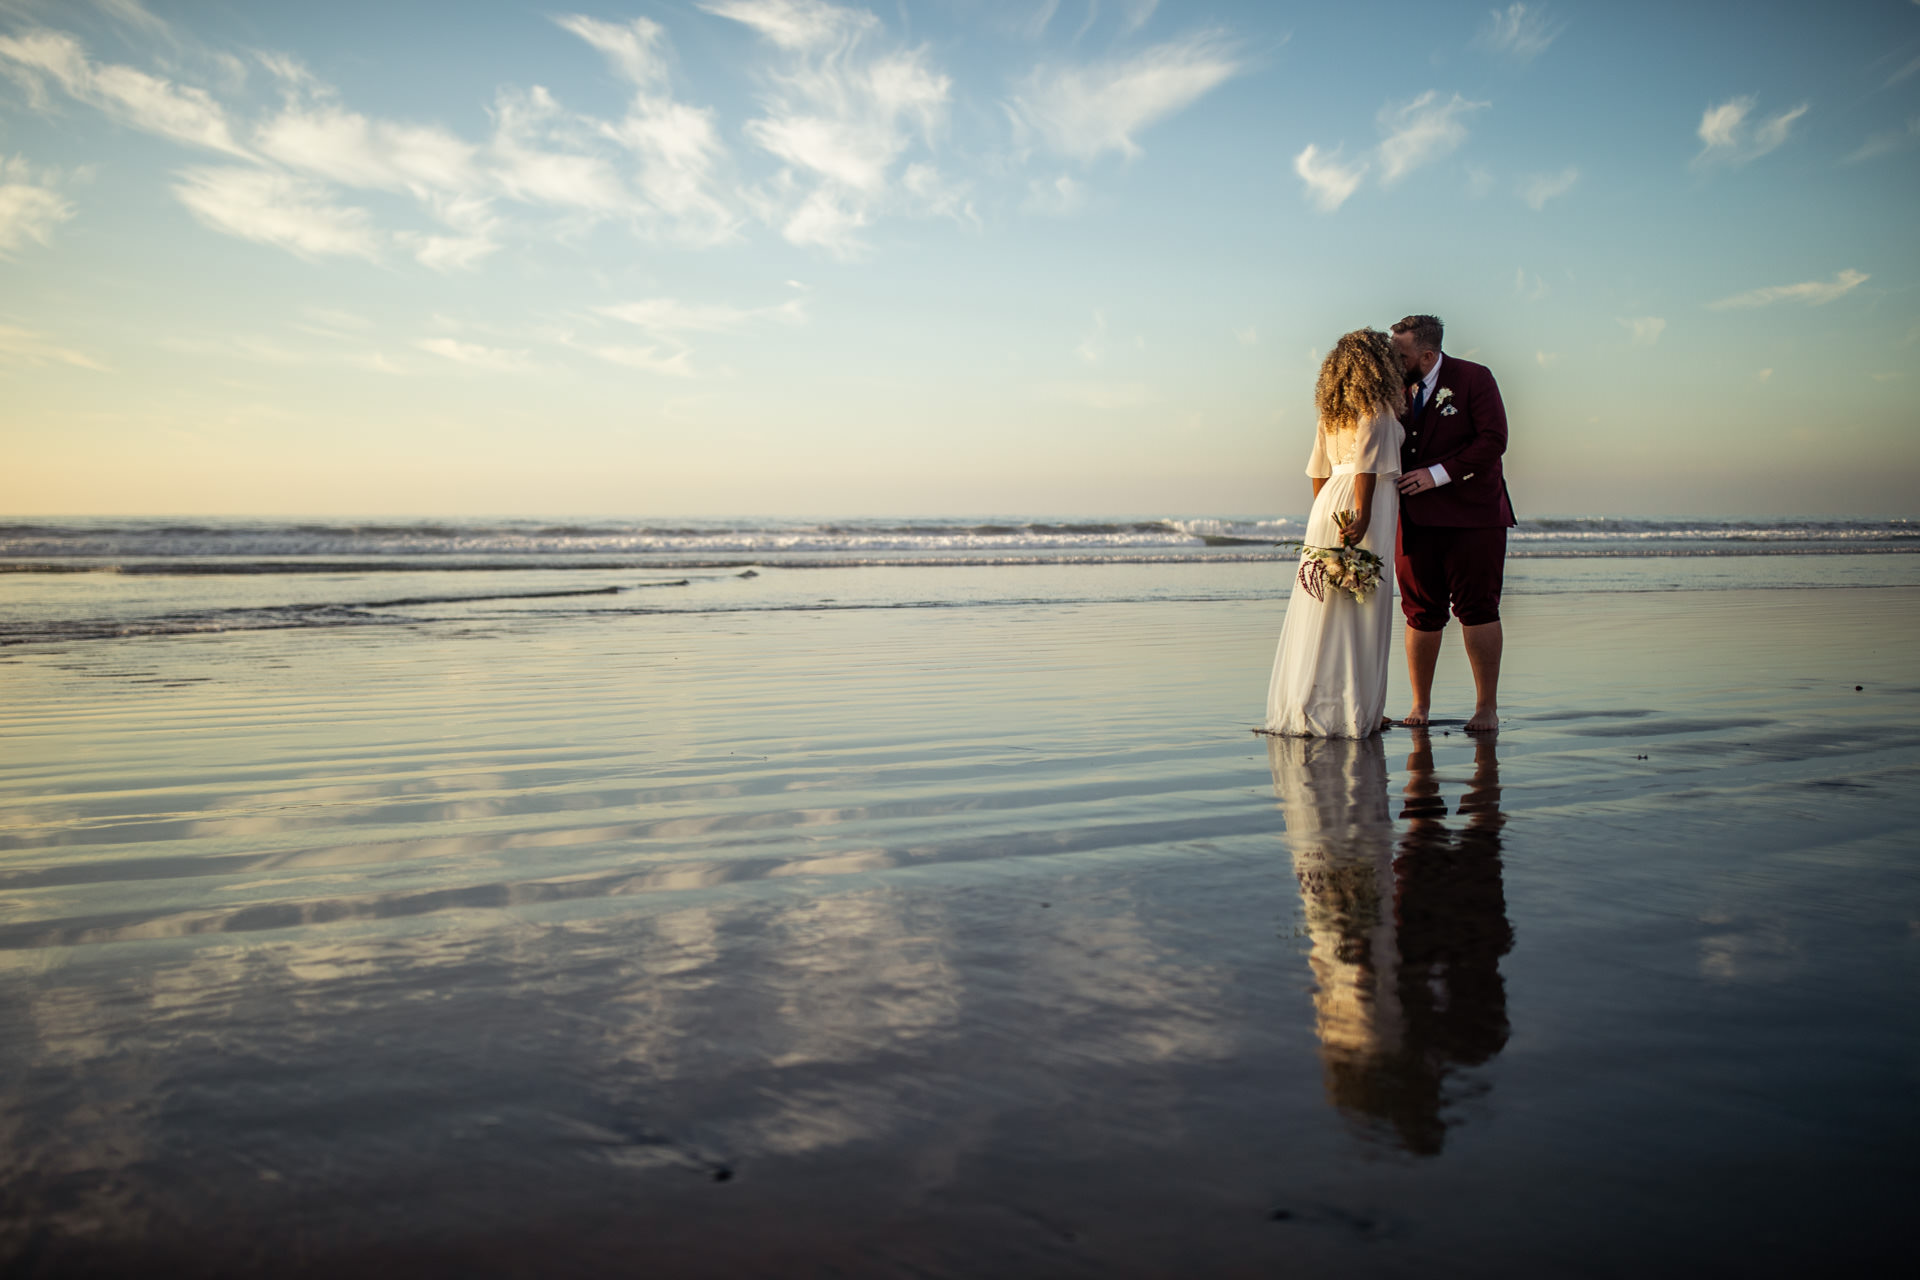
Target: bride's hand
pixel 1352 534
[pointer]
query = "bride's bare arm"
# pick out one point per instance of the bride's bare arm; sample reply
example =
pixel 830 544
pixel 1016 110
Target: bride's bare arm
pixel 1319 483
pixel 1363 499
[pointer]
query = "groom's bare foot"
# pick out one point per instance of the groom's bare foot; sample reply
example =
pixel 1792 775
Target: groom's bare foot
pixel 1485 720
pixel 1416 718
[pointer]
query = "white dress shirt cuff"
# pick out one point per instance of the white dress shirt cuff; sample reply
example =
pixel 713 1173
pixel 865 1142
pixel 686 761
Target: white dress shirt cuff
pixel 1440 475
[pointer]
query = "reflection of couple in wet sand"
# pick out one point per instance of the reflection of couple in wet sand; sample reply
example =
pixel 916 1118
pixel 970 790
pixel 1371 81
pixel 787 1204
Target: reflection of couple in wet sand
pixel 1406 466
pixel 1407 929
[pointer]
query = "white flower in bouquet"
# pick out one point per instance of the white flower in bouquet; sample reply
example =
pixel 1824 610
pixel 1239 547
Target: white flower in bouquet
pixel 1350 569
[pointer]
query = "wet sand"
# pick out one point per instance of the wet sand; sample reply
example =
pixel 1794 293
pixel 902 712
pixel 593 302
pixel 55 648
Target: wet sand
pixel 960 942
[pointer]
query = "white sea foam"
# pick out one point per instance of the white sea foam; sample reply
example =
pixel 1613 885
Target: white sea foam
pixel 156 544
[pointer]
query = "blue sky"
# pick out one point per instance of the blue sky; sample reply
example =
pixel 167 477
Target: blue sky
pixel 788 257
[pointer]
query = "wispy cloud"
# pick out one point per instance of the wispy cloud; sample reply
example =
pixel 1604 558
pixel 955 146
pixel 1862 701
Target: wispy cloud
pixel 277 209
pixel 1542 187
pixel 535 159
pixel 1885 143
pixel 539 155
pixel 326 139
pixel 135 14
pixel 1417 133
pixel 796 24
pixel 1531 288
pixel 670 322
pixel 1421 132
pixel 1034 25
pixel 314 133
pixel 153 103
pixel 651 359
pixel 476 356
pixel 1903 72
pixel 1134 14
pixel 1815 293
pixel 840 115
pixel 1546 359
pixel 30 206
pixel 1644 331
pixel 263 349
pixel 1329 182
pixel 1087 110
pixel 1729 135
pixel 26 347
pixel 1520 32
pixel 1059 197
pixel 671 318
pixel 677 144
pixel 332 322
pixel 1093 347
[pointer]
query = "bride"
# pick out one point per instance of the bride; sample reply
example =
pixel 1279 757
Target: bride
pixel 1330 674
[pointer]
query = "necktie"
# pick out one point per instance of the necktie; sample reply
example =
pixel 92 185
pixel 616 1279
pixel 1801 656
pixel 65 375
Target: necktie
pixel 1418 399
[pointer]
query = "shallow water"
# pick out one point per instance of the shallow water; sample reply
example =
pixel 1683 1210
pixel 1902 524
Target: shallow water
pixel 950 940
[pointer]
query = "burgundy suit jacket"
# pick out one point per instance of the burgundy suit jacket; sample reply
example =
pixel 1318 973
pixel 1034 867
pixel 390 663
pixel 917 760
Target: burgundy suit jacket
pixel 1469 441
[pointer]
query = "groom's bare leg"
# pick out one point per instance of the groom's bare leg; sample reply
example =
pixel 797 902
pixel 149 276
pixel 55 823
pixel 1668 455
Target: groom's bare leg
pixel 1484 644
pixel 1423 654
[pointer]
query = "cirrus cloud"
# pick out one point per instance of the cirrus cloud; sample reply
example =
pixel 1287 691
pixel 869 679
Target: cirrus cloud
pixel 1727 137
pixel 1644 331
pixel 1417 133
pixel 841 114
pixel 152 103
pixel 1542 187
pixel 1815 293
pixel 1519 32
pixel 277 209
pixel 30 206
pixel 1088 110
pixel 1329 182
pixel 1421 132
pixel 24 346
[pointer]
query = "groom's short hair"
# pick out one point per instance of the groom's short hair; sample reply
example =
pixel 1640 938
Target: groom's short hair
pixel 1425 330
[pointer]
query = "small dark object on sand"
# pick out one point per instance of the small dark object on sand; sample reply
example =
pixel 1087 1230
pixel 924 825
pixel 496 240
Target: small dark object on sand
pixel 1859 688
pixel 748 574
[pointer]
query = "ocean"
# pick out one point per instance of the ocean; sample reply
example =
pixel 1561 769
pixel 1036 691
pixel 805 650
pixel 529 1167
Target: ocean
pixel 82 579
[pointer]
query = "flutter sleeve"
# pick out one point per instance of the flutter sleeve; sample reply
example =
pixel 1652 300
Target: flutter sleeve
pixel 1319 466
pixel 1377 447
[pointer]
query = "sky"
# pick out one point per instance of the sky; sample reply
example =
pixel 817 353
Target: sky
pixel 942 257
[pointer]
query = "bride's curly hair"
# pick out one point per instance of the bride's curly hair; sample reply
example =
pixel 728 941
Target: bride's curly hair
pixel 1360 377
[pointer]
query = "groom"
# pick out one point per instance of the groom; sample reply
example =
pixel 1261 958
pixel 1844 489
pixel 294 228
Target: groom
pixel 1454 515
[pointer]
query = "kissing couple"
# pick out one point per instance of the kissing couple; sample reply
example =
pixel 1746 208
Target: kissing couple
pixel 1405 467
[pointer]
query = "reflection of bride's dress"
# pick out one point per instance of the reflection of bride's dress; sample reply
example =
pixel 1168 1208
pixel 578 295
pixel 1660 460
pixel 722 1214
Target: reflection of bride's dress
pixel 1406 933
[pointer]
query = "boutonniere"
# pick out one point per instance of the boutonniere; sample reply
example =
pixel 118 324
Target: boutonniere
pixel 1441 397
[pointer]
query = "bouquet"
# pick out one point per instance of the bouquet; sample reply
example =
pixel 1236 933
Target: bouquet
pixel 1345 568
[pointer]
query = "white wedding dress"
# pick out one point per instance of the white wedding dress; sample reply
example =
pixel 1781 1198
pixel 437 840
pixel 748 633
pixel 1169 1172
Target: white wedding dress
pixel 1330 673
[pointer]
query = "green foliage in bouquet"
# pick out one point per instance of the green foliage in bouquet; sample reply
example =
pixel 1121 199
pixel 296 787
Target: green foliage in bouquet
pixel 1344 568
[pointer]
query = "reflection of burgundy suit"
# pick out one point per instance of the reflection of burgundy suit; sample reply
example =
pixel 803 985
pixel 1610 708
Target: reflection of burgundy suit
pixel 1453 539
